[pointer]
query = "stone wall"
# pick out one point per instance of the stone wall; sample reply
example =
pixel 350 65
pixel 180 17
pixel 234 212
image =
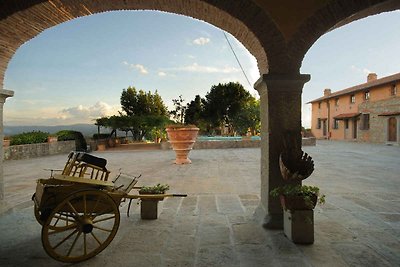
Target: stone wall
pixel 234 144
pixel 38 150
pixel 377 132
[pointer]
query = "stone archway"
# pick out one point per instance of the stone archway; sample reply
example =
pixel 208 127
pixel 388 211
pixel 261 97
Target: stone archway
pixel 277 33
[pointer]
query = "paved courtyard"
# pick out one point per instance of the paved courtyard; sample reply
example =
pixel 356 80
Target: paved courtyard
pixel 215 225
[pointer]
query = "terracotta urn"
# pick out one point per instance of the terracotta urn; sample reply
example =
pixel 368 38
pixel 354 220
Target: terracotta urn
pixel 182 140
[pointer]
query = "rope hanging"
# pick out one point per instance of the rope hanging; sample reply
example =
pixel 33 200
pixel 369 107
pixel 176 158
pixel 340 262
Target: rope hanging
pixel 240 65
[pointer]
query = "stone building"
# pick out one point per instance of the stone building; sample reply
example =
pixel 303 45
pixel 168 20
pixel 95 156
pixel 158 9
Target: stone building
pixel 368 112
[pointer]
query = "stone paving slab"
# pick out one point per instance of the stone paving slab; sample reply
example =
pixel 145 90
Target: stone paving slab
pixel 215 225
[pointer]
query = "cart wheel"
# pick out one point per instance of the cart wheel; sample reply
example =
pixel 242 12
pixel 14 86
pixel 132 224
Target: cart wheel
pixel 81 226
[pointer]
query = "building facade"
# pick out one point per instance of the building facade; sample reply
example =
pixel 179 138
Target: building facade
pixel 368 112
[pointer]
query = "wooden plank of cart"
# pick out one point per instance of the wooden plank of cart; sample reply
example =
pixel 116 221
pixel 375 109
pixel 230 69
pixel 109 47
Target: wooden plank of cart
pixel 79 208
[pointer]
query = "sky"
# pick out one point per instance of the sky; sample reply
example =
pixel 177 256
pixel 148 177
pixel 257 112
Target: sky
pixel 75 72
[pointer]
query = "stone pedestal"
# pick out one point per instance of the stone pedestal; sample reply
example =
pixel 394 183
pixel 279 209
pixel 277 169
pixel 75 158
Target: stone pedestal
pixel 149 209
pixel 280 102
pixel 298 226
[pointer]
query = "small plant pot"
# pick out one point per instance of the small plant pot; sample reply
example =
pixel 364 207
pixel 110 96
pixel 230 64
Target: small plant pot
pixel 149 209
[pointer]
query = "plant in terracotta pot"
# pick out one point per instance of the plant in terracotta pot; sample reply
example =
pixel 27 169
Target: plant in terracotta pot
pixel 181 136
pixel 149 206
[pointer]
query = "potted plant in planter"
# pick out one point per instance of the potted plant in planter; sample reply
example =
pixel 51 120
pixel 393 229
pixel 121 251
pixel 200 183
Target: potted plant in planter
pixel 181 136
pixel 149 206
pixel 298 201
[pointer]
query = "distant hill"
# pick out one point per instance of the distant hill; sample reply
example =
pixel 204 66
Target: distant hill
pixel 86 129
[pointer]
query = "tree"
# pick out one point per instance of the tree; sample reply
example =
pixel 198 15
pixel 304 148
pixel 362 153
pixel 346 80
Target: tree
pixel 141 113
pixel 223 102
pixel 195 112
pixel 248 118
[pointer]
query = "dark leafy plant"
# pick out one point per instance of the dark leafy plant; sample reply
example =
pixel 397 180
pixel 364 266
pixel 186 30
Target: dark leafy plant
pixel 157 189
pixel 305 191
pixel 34 137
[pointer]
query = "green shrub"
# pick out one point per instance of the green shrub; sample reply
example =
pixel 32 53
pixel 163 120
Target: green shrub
pixel 34 137
pixel 101 136
pixel 66 135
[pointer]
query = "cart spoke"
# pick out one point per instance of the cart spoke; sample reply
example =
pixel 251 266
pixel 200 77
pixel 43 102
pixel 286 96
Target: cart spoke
pixel 73 243
pixel 65 239
pixel 73 209
pixel 98 241
pixel 62 229
pixel 95 206
pixel 104 219
pixel 103 229
pixel 67 219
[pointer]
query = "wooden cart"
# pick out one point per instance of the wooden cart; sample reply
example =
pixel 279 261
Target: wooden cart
pixel 79 209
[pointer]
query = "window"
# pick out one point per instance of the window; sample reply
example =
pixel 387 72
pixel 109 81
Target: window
pixel 393 90
pixel 337 102
pixel 346 124
pixel 352 99
pixel 367 95
pixel 335 124
pixel 319 105
pixel 319 123
pixel 364 122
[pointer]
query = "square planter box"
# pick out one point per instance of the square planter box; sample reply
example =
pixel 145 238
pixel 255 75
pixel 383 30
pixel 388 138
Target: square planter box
pixel 149 209
pixel 298 225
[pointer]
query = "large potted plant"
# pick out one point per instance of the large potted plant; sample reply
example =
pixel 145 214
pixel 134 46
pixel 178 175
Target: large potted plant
pixel 181 136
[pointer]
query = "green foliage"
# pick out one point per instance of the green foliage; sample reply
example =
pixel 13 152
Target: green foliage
pixel 195 112
pixel 157 189
pixel 180 109
pixel 80 142
pixel 248 118
pixel 136 103
pixel 224 102
pixel 142 114
pixel 34 137
pixel 305 191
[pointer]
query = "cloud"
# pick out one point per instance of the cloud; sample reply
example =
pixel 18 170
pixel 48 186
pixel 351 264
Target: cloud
pixel 138 67
pixel 162 74
pixel 54 116
pixel 100 109
pixel 201 41
pixel 205 69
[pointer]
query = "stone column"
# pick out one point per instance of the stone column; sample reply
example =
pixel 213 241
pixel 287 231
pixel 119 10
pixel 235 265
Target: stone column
pixel 3 95
pixel 280 101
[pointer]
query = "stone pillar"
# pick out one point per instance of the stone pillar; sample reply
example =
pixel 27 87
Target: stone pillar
pixel 280 101
pixel 3 95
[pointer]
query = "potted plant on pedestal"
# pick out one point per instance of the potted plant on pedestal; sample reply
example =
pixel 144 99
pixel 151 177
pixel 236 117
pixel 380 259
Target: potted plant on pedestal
pixel 181 136
pixel 149 206
pixel 298 201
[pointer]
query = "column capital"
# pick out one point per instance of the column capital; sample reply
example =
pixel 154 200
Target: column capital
pixel 4 94
pixel 281 82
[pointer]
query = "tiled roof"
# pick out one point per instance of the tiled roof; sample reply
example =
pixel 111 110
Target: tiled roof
pixel 360 87
pixel 390 113
pixel 346 116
